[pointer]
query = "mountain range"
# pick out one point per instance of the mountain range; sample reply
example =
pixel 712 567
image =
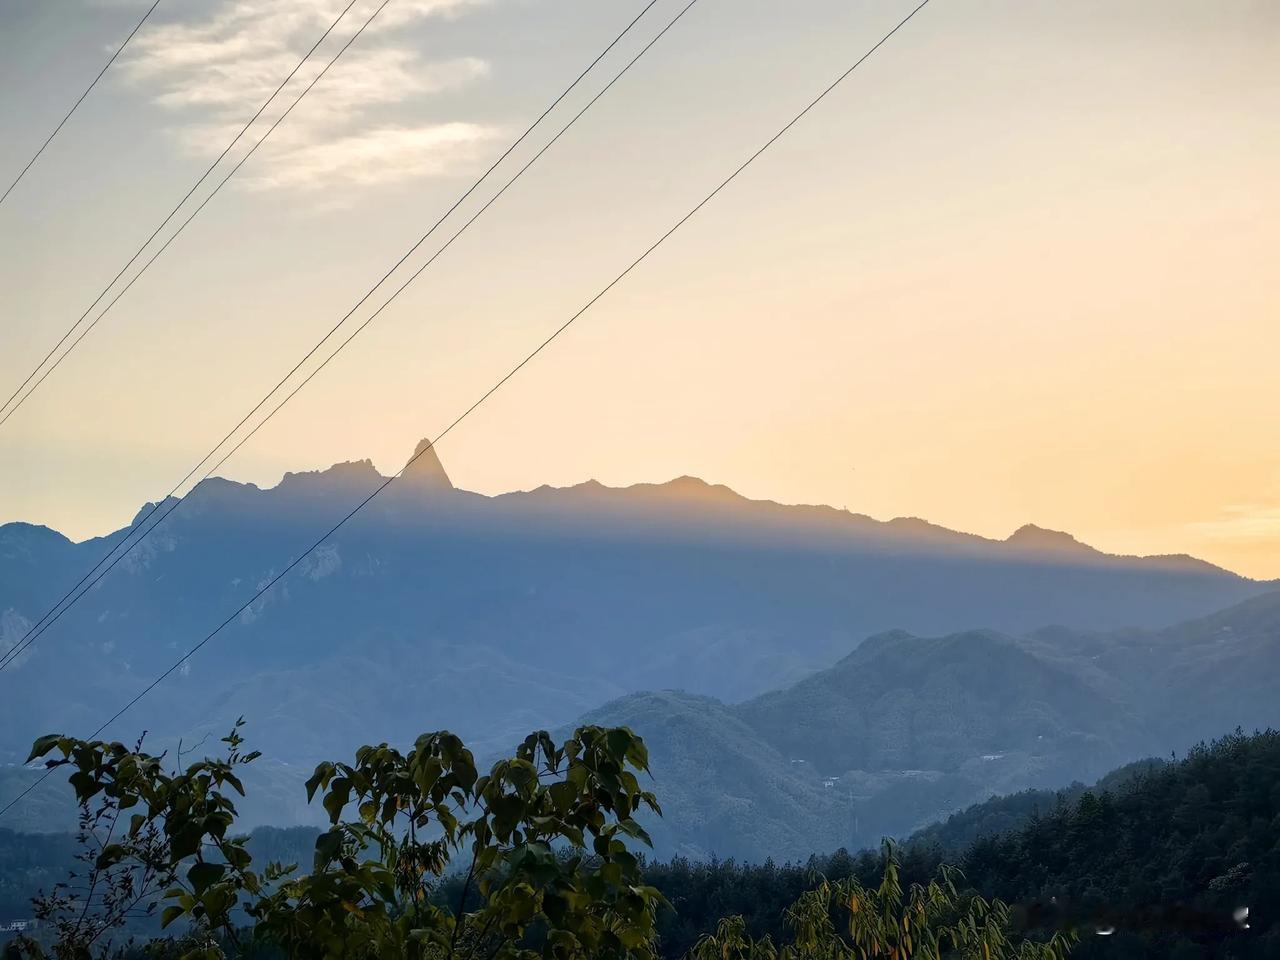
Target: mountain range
pixel 906 730
pixel 492 616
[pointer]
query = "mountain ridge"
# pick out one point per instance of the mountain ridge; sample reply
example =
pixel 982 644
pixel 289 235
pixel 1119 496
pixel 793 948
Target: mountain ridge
pixel 425 471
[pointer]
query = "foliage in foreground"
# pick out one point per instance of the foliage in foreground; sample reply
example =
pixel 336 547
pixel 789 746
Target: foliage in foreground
pixel 168 837
pixel 845 920
pixel 530 860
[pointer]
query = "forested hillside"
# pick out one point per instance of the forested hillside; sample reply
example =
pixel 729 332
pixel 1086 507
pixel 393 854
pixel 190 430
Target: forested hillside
pixel 1166 862
pixel 1004 814
pixel 1163 854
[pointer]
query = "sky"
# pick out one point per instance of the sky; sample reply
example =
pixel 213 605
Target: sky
pixel 1019 268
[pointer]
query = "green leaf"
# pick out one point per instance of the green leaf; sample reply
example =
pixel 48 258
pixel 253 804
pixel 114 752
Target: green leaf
pixel 337 797
pixel 328 847
pixel 111 854
pixel 43 745
pixel 321 777
pixel 202 875
pixel 237 855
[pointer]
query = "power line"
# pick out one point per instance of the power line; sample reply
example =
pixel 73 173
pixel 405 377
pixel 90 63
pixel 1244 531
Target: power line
pixel 75 106
pixel 492 390
pixel 163 223
pixel 203 203
pixel 89 580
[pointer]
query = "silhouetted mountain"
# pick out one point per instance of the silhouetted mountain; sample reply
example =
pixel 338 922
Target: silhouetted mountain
pixel 424 469
pixel 1039 540
pixel 494 615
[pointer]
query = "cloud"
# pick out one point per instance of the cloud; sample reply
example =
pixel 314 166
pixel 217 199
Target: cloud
pixel 357 127
pixel 1242 522
pixel 376 156
pixel 362 80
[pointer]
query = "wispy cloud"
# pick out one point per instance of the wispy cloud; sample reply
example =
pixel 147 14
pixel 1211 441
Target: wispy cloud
pixel 1242 522
pixel 358 127
pixel 380 155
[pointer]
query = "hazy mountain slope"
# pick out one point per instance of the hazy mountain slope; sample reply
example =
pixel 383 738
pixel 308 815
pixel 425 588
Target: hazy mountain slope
pixel 723 790
pixel 275 794
pixel 906 730
pixel 898 734
pixel 54 811
pixel 889 739
pixel 903 702
pixel 1191 680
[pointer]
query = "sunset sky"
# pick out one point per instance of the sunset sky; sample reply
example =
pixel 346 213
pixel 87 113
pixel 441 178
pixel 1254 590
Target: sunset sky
pixel 1021 267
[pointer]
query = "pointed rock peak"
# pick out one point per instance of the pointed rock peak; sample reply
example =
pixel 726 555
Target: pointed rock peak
pixel 148 508
pixel 1031 537
pixel 424 469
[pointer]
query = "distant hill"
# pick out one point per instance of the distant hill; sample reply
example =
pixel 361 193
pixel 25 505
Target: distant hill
pixel 496 615
pixel 879 744
pixel 906 730
pixel 723 788
pixel 900 702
